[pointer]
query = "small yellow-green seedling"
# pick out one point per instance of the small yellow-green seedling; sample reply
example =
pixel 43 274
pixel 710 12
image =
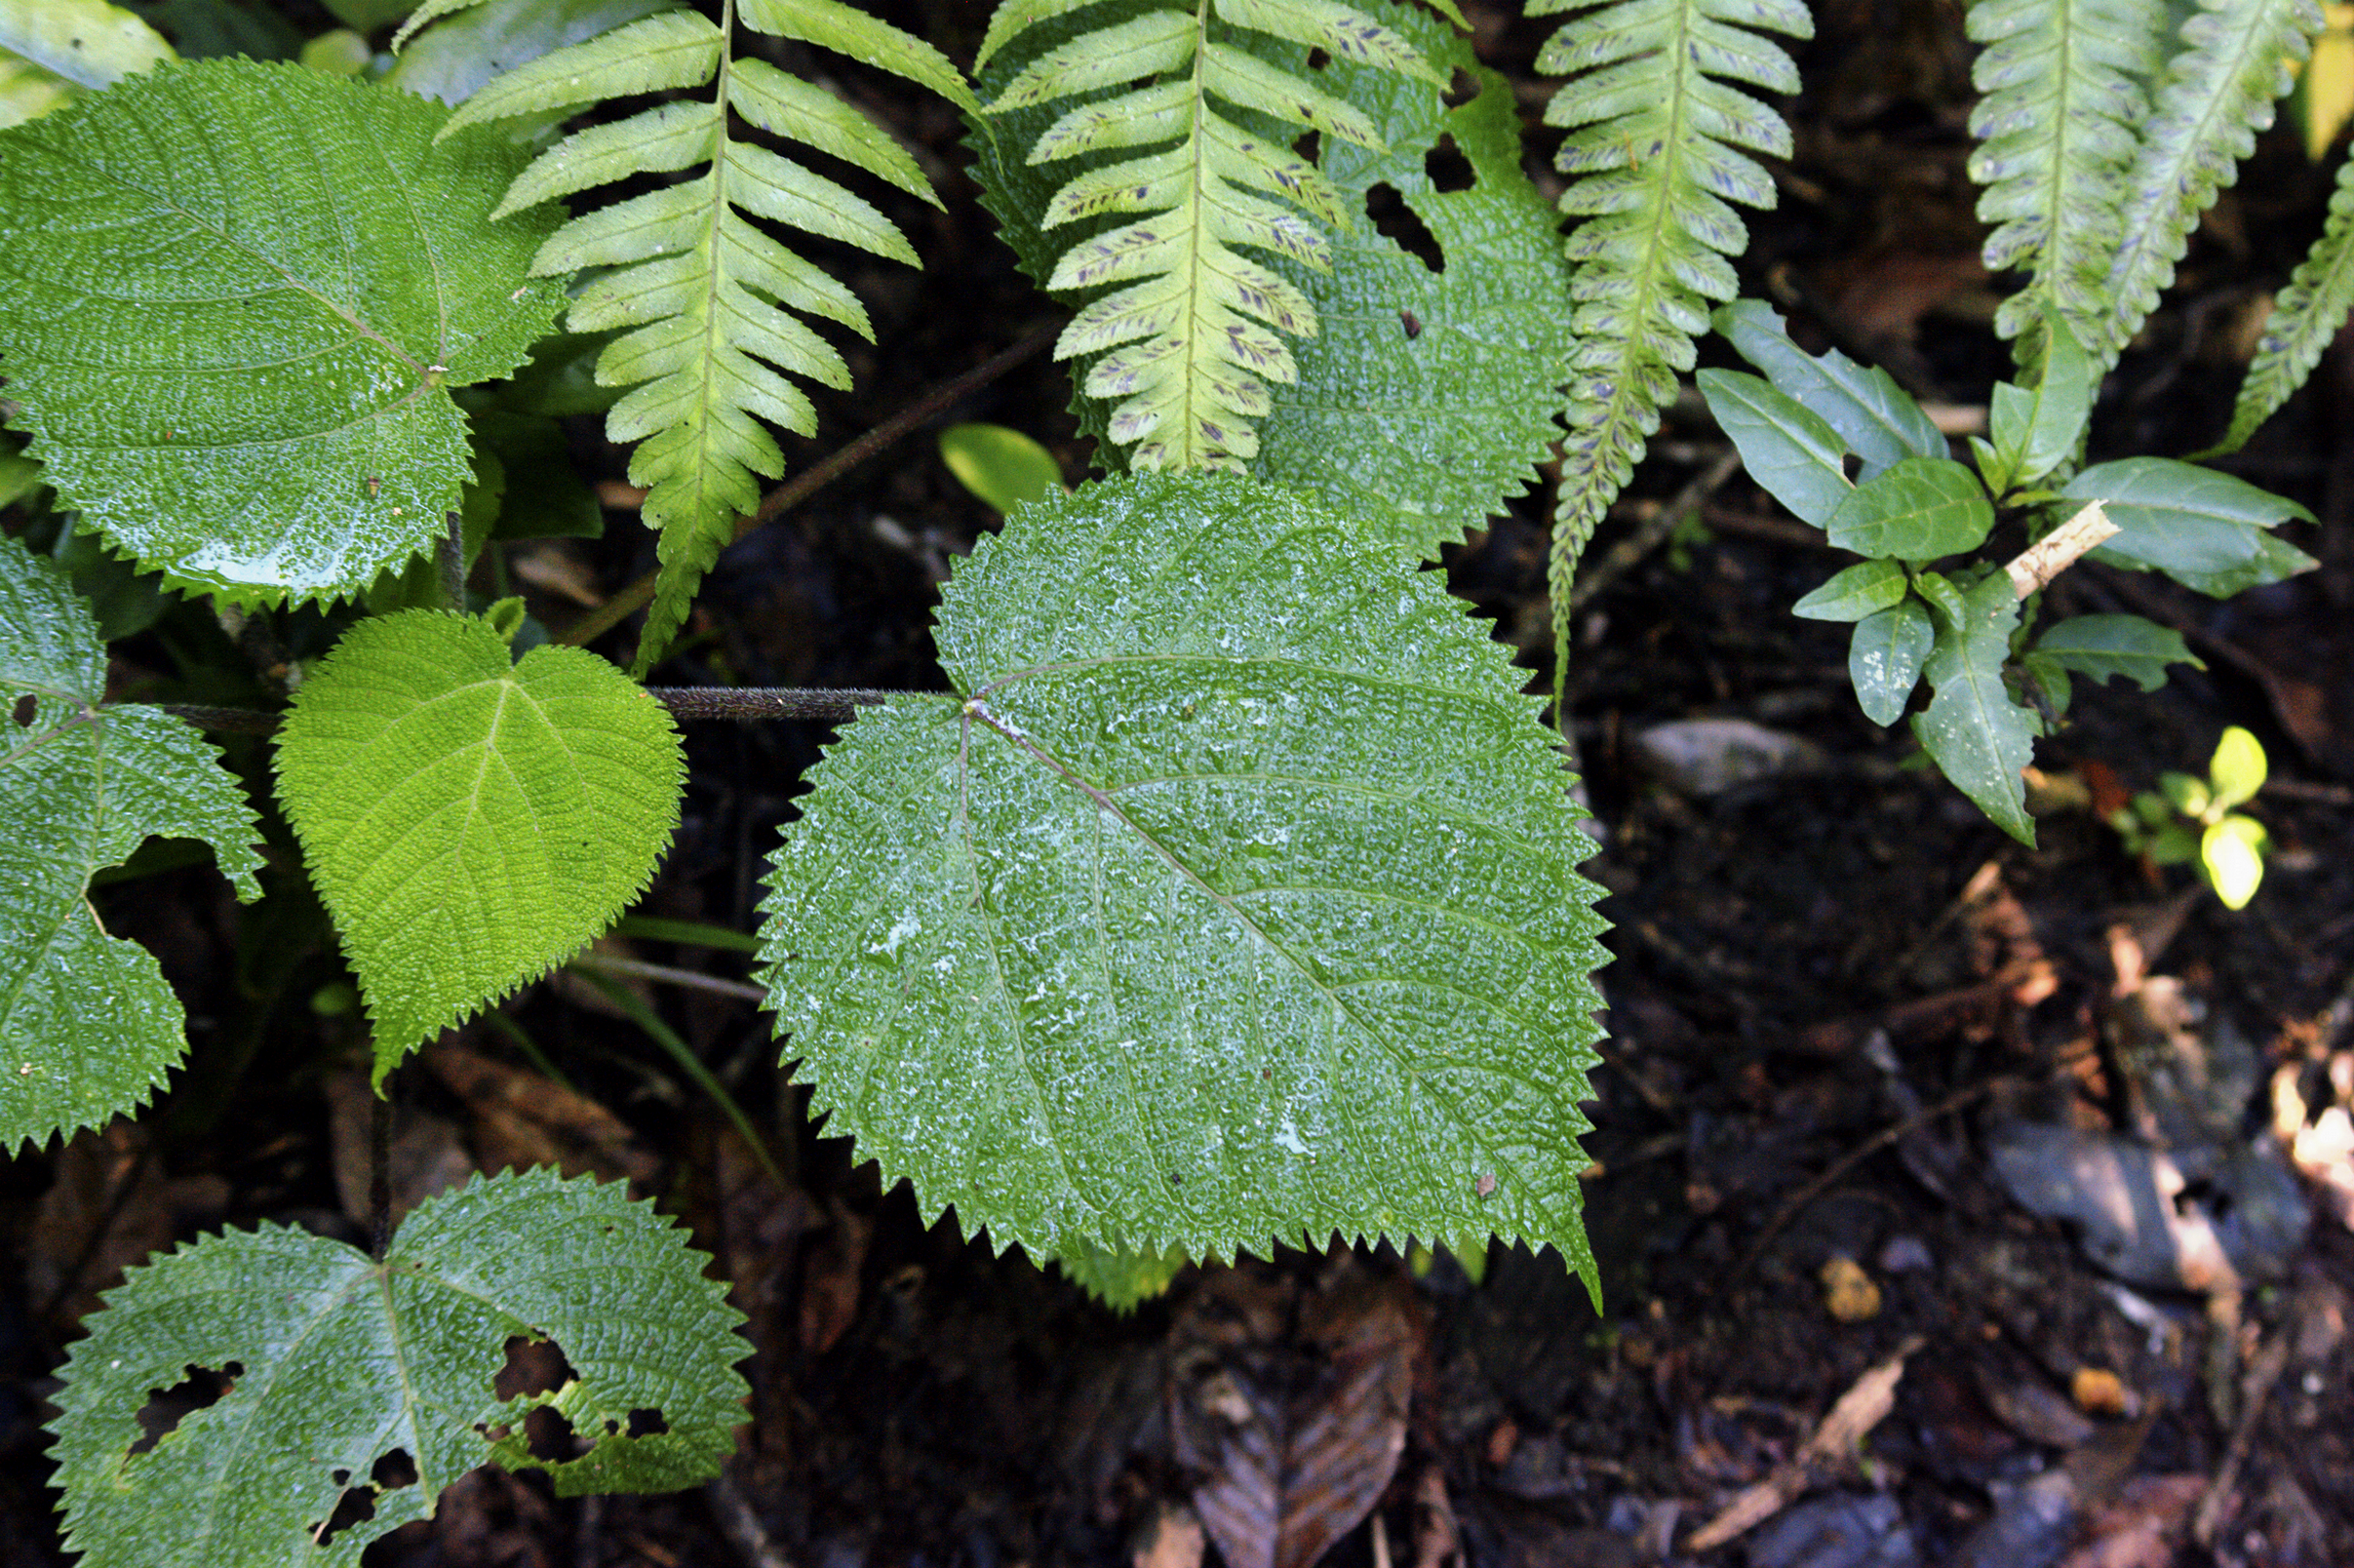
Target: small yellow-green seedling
pixel 2190 820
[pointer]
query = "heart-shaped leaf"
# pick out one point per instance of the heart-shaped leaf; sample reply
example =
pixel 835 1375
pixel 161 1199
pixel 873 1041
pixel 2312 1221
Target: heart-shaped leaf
pixel 469 820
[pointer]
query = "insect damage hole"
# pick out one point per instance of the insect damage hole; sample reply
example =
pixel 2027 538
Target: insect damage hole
pixel 532 1367
pixel 1447 168
pixel 1398 224
pixel 167 1407
pixel 390 1473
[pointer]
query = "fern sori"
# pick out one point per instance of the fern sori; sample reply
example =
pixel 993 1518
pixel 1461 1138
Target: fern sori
pixel 711 302
pixel 1653 149
pixel 1192 351
pixel 2063 83
pixel 2216 94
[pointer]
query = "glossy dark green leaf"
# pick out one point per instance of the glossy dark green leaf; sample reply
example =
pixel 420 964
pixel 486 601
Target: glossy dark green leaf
pixel 1860 590
pixel 1885 656
pixel 2104 646
pixel 2206 530
pixel 1917 510
pixel 2037 429
pixel 1980 737
pixel 1877 418
pixel 1789 450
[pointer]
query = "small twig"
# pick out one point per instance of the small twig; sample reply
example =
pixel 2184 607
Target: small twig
pixel 450 562
pixel 2255 1388
pixel 2034 568
pixel 636 968
pixel 380 1172
pixel 811 479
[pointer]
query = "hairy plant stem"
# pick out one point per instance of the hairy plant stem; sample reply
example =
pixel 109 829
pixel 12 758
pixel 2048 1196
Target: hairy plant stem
pixel 742 704
pixel 811 479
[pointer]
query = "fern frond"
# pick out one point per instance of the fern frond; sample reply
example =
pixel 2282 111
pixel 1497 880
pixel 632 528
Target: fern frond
pixel 431 11
pixel 2217 94
pixel 1191 351
pixel 707 300
pixel 1655 153
pixel 2305 317
pixel 2063 83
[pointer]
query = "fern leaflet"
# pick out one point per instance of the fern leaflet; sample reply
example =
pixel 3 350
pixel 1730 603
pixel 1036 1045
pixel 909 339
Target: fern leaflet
pixel 1655 131
pixel 2063 91
pixel 2305 319
pixel 1189 330
pixel 2217 94
pixel 710 301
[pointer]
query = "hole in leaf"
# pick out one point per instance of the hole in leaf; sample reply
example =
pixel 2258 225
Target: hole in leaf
pixel 1318 60
pixel 1461 89
pixel 532 1367
pixel 167 1407
pixel 647 1423
pixel 1310 146
pixel 1449 169
pixel 340 1476
pixel 356 1506
pixel 26 706
pixel 1397 223
pixel 550 1438
pixel 394 1471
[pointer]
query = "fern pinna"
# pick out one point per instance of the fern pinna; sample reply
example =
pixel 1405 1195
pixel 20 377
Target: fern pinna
pixel 1190 353
pixel 709 301
pixel 1655 134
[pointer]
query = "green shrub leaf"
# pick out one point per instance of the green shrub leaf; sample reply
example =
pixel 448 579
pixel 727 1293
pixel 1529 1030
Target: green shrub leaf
pixel 88 1028
pixel 469 820
pixel 1863 590
pixel 1789 448
pixel 1916 511
pixel 1003 467
pixel 2205 530
pixel 1231 901
pixel 1885 656
pixel 1878 420
pixel 336 1362
pixel 2036 429
pixel 2103 646
pixel 233 299
pixel 1980 738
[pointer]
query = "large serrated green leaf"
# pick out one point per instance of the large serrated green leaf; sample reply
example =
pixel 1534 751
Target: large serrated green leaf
pixel 1427 397
pixel 469 820
pixel 233 299
pixel 88 1028
pixel 1981 739
pixel 341 1361
pixel 1231 901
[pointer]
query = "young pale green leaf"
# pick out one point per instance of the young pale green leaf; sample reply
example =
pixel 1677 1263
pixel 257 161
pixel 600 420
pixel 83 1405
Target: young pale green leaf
pixel 1920 509
pixel 1121 1279
pixel 2305 320
pixel 1003 467
pixel 2105 646
pixel 1863 590
pixel 1980 738
pixel 1885 656
pixel 2232 854
pixel 2035 430
pixel 88 1028
pixel 50 47
pixel 1231 901
pixel 468 819
pixel 2205 530
pixel 2237 769
pixel 233 299
pixel 1789 448
pixel 1660 133
pixel 1878 420
pixel 334 1363
pixel 1432 395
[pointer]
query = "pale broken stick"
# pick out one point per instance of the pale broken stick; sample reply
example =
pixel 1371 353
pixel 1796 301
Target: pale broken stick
pixel 1858 1410
pixel 2035 566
